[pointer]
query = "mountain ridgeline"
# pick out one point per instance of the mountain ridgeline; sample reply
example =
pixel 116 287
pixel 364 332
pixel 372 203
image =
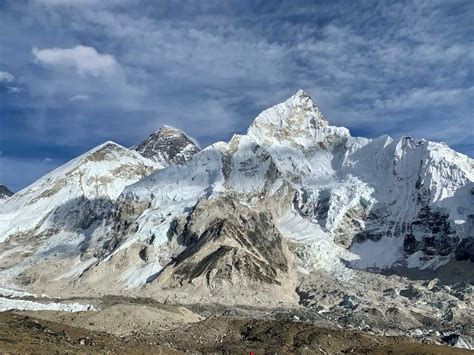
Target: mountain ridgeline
pixel 292 211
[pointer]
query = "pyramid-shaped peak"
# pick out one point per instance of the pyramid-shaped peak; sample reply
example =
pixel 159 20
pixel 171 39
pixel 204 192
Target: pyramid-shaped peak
pixel 168 146
pixel 106 145
pixel 300 104
pixel 302 99
pixel 302 93
pixel 290 120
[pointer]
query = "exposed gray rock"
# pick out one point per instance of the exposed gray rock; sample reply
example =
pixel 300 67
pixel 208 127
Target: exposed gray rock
pixel 448 315
pixel 227 243
pixel 465 249
pixel 451 339
pixel 389 292
pixel 168 146
pixel 5 192
pixel 349 301
pixel 411 292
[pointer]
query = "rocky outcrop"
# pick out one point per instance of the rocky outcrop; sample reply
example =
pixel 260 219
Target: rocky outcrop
pixel 228 243
pixel 465 249
pixel 230 252
pixel 5 192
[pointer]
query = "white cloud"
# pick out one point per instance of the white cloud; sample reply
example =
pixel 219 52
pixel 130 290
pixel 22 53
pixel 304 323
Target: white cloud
pixel 13 90
pixel 6 76
pixel 79 98
pixel 84 59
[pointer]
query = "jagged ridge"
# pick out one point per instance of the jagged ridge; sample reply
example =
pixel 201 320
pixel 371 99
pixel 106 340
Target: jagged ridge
pixel 335 203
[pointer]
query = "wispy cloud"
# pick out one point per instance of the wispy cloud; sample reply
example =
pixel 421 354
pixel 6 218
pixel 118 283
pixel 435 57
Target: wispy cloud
pixel 13 89
pixel 209 67
pixel 6 76
pixel 79 98
pixel 83 59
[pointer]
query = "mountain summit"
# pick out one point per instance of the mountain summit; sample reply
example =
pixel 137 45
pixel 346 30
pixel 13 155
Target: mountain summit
pixel 168 146
pixel 297 122
pixel 96 177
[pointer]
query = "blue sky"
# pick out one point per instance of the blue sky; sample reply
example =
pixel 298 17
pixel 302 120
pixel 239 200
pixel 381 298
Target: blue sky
pixel 74 73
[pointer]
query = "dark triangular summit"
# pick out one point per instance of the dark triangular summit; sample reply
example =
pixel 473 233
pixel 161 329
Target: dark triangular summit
pixel 168 146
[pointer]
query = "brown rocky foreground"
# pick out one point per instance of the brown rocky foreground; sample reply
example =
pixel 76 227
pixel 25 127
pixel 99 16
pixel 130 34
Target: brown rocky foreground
pixel 136 328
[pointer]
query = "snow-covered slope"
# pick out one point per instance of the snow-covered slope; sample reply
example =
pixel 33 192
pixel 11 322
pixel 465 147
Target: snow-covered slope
pixel 168 146
pixel 96 177
pixel 54 218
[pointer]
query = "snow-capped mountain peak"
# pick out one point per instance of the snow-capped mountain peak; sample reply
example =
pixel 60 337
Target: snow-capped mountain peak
pixel 293 197
pixel 296 122
pixel 168 146
pixel 99 174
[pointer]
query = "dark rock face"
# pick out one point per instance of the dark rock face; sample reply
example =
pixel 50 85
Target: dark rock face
pixel 431 231
pixel 317 209
pixel 122 216
pixel 448 315
pixel 410 292
pixel 451 339
pixel 232 248
pixel 465 249
pixel 410 244
pixel 5 192
pixel 438 236
pixel 168 146
pixel 349 301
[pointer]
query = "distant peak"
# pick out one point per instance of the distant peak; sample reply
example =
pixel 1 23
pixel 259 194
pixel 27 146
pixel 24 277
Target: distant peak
pixel 168 129
pixel 110 143
pixel 168 146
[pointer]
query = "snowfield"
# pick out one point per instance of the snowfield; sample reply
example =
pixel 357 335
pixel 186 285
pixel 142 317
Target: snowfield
pixel 7 304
